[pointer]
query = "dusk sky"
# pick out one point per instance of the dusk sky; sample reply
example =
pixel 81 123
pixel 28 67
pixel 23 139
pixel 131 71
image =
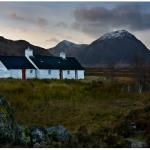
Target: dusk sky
pixel 47 23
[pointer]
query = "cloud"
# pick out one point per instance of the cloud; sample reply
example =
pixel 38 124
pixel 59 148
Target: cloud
pixel 54 40
pixel 39 21
pixel 15 16
pixel 61 24
pixel 99 19
pixel 42 22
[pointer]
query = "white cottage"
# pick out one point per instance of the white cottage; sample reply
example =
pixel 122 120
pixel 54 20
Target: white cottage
pixel 51 67
pixel 41 67
pixel 17 67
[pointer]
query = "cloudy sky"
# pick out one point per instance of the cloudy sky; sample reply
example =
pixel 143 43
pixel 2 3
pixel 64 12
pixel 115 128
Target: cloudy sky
pixel 47 23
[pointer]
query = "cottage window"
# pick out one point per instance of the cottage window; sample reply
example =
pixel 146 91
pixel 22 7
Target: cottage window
pixel 49 71
pixel 31 71
pixel 68 71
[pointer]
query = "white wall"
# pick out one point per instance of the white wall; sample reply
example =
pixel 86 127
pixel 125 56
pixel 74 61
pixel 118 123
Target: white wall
pixel 4 73
pixel 80 74
pixel 30 74
pixel 16 73
pixel 2 66
pixel 44 74
pixel 68 74
pixel 55 74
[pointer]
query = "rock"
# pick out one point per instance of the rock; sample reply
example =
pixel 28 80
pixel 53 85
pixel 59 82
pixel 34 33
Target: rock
pixel 38 136
pixel 37 145
pixel 22 136
pixel 134 143
pixel 7 132
pixel 58 133
pixel 127 128
pixel 11 133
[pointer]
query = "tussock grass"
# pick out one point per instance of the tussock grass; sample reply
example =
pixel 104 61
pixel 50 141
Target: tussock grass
pixel 70 103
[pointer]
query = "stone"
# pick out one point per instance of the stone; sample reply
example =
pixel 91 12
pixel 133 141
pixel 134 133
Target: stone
pixel 38 136
pixel 134 143
pixel 22 136
pixel 7 133
pixel 58 133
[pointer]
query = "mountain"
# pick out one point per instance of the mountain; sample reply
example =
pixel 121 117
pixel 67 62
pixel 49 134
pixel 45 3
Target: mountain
pixel 17 48
pixel 71 49
pixel 115 48
pixel 118 48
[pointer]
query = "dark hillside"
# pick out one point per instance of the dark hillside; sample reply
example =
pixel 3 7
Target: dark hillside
pixel 17 48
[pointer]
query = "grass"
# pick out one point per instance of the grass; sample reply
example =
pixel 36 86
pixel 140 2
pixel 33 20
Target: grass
pixel 70 103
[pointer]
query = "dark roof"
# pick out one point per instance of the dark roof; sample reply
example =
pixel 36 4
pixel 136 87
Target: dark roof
pixel 16 62
pixel 51 62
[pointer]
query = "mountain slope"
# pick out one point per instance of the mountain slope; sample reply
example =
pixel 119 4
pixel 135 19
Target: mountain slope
pixel 71 49
pixel 17 48
pixel 115 48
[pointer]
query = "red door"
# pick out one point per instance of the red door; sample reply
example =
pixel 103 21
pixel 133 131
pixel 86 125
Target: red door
pixel 23 74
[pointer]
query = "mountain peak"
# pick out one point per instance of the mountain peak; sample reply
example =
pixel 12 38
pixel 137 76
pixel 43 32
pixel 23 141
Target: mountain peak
pixel 118 48
pixel 120 34
pixel 65 43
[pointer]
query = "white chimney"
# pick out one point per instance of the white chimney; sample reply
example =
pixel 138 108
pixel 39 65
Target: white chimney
pixel 62 55
pixel 28 52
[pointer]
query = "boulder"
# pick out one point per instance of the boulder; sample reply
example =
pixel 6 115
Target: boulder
pixel 38 136
pixel 7 132
pixel 58 133
pixel 11 133
pixel 134 143
pixel 22 136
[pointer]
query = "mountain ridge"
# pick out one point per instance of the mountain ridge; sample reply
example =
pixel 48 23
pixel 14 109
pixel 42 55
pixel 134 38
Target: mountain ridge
pixel 114 48
pixel 17 47
pixel 70 48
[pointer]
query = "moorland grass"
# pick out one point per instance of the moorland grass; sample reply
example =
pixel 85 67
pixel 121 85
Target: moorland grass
pixel 93 104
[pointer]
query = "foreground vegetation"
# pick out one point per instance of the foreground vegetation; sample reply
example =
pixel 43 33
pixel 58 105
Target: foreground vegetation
pixel 89 106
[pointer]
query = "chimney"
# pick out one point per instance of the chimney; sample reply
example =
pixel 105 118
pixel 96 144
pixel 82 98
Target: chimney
pixel 28 52
pixel 63 55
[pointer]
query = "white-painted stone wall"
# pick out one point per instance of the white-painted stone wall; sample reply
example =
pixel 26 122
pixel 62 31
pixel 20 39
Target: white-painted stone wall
pixel 80 74
pixel 68 74
pixel 4 73
pixel 72 74
pixel 16 73
pixel 30 73
pixel 55 74
pixel 48 74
